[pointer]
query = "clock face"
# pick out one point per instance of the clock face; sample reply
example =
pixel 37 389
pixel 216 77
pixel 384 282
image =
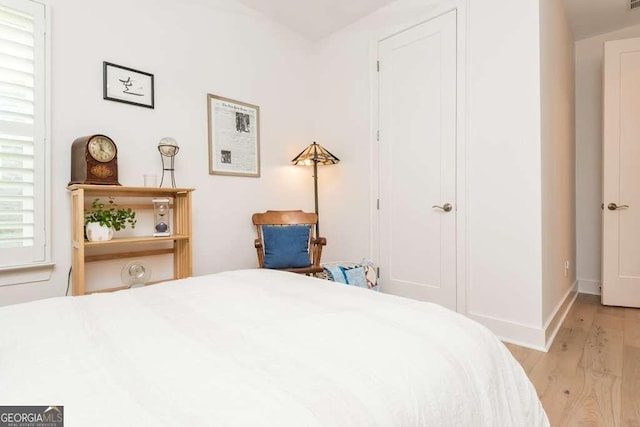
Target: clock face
pixel 102 149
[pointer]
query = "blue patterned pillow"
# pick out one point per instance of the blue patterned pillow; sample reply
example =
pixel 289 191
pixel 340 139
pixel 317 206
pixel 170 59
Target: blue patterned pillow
pixel 286 246
pixel 364 275
pixel 335 273
pixel 355 276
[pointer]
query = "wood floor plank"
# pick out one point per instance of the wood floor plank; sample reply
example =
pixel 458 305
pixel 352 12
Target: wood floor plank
pixel 631 387
pixel 612 311
pixel 595 401
pixel 632 327
pixel 527 358
pixel 589 299
pixel 603 351
pixel 591 374
pixel 554 373
pixel 634 313
pixel 582 313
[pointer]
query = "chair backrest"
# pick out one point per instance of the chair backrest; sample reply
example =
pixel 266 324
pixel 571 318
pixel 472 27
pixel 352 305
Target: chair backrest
pixel 285 218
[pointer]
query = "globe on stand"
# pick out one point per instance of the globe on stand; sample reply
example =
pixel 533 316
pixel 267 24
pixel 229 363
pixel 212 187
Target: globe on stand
pixel 168 148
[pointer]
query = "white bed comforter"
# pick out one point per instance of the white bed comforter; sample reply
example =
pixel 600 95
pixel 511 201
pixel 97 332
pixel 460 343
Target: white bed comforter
pixel 259 348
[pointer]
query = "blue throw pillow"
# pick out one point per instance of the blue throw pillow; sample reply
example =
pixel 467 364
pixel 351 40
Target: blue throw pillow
pixel 335 273
pixel 286 246
pixel 355 276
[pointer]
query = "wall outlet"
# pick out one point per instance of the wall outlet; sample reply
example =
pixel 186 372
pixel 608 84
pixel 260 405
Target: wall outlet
pixel 567 266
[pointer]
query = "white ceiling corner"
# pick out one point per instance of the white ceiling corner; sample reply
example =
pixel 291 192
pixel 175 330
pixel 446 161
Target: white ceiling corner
pixel 315 19
pixel 592 17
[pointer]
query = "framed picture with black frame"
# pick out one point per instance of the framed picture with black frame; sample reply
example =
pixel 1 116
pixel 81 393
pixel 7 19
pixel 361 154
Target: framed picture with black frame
pixel 123 84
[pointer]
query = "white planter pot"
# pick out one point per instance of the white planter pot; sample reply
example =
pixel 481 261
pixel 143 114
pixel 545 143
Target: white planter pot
pixel 98 233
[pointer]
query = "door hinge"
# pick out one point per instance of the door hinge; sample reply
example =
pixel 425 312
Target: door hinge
pixel 378 271
pixel 378 204
pixel 378 136
pixel 378 66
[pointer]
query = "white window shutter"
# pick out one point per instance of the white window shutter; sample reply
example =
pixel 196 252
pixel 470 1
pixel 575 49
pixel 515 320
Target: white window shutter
pixel 22 133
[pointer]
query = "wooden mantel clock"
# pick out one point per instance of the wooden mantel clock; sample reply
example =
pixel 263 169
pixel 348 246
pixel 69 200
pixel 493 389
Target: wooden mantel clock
pixel 94 160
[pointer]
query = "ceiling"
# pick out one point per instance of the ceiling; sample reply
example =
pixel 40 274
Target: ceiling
pixel 592 17
pixel 316 19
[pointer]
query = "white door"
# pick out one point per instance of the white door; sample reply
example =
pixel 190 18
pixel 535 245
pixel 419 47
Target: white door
pixel 417 166
pixel 621 187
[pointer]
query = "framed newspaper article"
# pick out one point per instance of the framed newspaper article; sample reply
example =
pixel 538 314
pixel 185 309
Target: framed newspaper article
pixel 234 137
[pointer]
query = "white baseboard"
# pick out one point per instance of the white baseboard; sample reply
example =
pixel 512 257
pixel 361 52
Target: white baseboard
pixel 554 322
pixel 592 287
pixel 526 335
pixel 512 332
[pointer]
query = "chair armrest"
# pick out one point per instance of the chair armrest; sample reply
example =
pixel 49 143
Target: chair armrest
pixel 319 241
pixel 258 244
pixel 316 245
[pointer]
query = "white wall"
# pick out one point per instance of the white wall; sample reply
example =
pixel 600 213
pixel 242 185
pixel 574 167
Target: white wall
pixel 589 60
pixel 192 48
pixel 503 149
pixel 325 95
pixel 504 274
pixel 558 155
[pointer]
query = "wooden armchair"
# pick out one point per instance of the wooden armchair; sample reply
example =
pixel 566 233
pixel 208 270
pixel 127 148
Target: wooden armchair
pixel 288 218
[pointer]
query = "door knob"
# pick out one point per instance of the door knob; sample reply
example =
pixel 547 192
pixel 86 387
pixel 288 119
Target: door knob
pixel 446 207
pixel 613 206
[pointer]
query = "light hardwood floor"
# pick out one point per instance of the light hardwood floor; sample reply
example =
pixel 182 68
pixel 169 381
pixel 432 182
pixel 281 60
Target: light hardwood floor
pixel 591 374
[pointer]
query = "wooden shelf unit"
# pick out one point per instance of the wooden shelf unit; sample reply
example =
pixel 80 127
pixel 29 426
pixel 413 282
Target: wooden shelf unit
pixel 182 229
pixel 141 239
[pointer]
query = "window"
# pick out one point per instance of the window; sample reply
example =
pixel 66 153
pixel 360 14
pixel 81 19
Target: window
pixel 23 130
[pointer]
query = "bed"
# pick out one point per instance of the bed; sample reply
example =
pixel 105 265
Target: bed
pixel 259 348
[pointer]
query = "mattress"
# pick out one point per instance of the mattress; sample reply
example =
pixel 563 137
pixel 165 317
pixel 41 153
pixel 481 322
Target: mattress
pixel 259 348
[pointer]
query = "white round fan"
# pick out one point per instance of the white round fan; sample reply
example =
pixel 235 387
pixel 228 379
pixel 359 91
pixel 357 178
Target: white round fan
pixel 135 274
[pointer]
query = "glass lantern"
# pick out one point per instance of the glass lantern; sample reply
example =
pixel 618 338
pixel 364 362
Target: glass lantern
pixel 161 217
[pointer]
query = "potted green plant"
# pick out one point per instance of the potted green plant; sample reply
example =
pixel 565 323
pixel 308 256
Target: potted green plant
pixel 101 220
